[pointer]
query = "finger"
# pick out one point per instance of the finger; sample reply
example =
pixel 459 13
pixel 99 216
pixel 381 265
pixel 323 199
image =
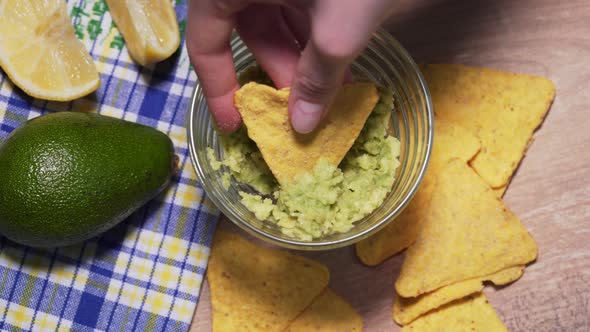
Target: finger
pixel 207 40
pixel 263 30
pixel 317 80
pixel 298 23
pixel 340 30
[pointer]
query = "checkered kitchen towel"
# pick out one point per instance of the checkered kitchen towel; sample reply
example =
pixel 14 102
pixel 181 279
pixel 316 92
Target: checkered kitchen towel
pixel 145 274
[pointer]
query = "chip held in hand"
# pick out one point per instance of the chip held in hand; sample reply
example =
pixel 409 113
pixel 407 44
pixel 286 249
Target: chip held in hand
pixel 288 153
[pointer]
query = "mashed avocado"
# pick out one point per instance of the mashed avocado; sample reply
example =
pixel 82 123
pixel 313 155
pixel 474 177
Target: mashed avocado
pixel 331 198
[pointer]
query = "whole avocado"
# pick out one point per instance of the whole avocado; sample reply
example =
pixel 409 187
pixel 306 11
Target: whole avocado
pixel 66 177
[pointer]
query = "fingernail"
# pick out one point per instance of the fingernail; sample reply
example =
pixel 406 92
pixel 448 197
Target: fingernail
pixel 306 116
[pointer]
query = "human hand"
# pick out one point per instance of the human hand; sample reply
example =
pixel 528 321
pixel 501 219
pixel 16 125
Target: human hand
pixel 305 44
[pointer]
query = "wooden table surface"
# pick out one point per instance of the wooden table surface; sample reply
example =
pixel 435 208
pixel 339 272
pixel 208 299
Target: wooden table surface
pixel 550 191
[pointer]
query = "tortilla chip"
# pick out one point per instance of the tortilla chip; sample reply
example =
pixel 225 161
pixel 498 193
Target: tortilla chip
pixel 507 276
pixel 406 310
pixel 287 153
pixel 400 233
pixel 500 191
pixel 502 109
pixel 467 233
pixel 450 141
pixel 255 288
pixel 328 312
pixel 467 315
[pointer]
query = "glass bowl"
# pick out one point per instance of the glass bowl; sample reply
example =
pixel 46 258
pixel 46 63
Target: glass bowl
pixel 384 62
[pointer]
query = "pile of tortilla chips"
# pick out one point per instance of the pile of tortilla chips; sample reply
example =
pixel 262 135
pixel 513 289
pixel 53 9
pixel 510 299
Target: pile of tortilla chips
pixel 256 288
pixel 458 232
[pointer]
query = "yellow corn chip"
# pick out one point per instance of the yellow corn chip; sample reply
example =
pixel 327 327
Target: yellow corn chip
pixel 502 109
pixel 450 141
pixel 255 288
pixel 507 276
pixel 401 232
pixel 328 312
pixel 466 315
pixel 287 153
pixel 405 310
pixel 467 233
pixel 500 191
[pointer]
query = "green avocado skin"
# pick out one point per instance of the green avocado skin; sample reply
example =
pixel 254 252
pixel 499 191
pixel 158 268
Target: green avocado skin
pixel 66 177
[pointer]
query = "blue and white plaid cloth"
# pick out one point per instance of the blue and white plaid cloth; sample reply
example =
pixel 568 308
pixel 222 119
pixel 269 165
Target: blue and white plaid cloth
pixel 146 273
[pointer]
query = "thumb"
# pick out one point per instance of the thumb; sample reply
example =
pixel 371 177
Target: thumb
pixel 317 79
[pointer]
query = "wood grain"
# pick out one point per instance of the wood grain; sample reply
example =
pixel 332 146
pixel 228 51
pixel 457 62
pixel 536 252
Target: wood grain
pixel 551 190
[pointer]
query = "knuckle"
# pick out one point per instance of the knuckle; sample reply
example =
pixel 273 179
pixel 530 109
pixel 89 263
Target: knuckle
pixel 335 47
pixel 227 7
pixel 313 87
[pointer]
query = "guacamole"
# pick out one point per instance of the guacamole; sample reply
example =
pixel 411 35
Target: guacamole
pixel 332 197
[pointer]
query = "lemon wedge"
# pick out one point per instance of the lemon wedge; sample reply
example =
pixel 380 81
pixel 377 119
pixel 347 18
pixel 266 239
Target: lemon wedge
pixel 149 28
pixel 40 53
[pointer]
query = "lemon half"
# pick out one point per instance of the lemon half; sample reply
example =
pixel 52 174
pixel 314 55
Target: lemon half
pixel 149 27
pixel 40 53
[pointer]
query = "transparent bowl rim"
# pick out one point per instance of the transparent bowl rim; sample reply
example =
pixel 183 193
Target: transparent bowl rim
pixel 327 244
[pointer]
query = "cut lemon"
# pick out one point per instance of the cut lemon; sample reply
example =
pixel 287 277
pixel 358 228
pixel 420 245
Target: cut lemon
pixel 40 53
pixel 149 28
